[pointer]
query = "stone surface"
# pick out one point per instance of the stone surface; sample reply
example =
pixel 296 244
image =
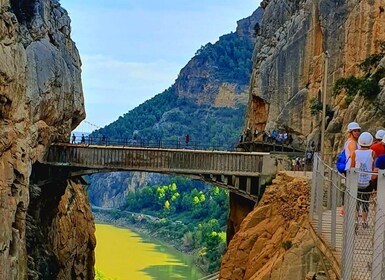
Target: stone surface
pixel 288 66
pixel 41 101
pixel 274 241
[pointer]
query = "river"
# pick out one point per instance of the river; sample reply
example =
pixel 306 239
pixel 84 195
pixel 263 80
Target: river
pixel 125 255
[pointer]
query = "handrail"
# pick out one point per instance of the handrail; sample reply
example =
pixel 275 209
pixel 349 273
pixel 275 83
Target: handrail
pixel 363 241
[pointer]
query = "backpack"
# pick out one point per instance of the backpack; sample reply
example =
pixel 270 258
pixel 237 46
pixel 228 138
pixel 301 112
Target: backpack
pixel 341 161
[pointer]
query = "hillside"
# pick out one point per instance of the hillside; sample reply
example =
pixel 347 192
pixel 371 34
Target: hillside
pixel 207 101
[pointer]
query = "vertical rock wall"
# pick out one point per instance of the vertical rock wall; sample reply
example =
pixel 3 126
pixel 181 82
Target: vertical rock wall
pixel 289 60
pixel 41 101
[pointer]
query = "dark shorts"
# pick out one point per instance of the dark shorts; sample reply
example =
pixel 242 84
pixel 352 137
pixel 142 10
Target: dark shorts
pixel 364 195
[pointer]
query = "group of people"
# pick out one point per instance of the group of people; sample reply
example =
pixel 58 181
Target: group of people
pixel 277 137
pixel 367 153
pixel 273 136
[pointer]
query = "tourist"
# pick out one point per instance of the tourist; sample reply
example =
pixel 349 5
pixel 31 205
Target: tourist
pixel 352 134
pixel 363 159
pixel 379 146
pixel 73 138
pixel 351 145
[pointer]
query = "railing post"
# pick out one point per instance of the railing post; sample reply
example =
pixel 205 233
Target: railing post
pixel 320 190
pixel 349 223
pixel 334 183
pixel 313 186
pixel 378 270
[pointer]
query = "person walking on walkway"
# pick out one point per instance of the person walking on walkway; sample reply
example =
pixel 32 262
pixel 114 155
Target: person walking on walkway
pixel 73 138
pixel 187 139
pixel 379 145
pixel 352 134
pixel 83 139
pixel 363 159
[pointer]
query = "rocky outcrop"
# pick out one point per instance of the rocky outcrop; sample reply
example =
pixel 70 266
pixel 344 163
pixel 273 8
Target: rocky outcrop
pixel 289 65
pixel 41 101
pixel 274 241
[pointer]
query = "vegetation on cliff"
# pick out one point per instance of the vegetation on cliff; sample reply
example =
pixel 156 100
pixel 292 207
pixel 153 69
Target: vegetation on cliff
pixel 368 84
pixel 169 115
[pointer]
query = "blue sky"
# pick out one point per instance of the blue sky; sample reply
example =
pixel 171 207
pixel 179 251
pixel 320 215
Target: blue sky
pixel 132 50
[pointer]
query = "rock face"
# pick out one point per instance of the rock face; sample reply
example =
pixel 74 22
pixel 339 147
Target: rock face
pixel 273 241
pixel 289 65
pixel 41 101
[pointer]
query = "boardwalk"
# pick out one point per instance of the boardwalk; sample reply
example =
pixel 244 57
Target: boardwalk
pixel 354 249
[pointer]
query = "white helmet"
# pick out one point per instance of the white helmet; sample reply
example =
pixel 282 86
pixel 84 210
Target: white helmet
pixel 380 134
pixel 365 139
pixel 353 125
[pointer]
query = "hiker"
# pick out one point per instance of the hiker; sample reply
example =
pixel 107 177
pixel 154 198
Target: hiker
pixel 352 134
pixel 256 133
pixel 73 138
pixel 187 139
pixel 363 159
pixel 83 139
pixel 351 145
pixel 379 145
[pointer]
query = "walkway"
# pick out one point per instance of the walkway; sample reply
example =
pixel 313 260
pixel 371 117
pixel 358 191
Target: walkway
pixel 356 251
pixel 240 172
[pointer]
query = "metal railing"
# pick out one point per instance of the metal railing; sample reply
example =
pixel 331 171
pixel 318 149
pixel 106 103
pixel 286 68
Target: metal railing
pixel 161 143
pixel 358 245
pixel 181 144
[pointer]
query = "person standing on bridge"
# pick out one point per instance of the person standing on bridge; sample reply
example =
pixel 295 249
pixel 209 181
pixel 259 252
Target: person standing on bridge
pixel 187 139
pixel 73 138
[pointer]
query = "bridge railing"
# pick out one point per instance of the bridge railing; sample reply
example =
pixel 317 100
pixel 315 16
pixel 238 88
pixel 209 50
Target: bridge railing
pixel 181 144
pixel 160 143
pixel 358 247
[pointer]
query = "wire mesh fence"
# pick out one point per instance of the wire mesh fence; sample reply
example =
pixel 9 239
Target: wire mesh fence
pixel 350 220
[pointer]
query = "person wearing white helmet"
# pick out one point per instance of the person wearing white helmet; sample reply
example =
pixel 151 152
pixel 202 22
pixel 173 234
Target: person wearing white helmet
pixel 379 145
pixel 353 132
pixel 363 159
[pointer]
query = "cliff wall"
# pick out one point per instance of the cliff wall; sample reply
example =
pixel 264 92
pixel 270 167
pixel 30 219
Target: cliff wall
pixel 41 101
pixel 289 65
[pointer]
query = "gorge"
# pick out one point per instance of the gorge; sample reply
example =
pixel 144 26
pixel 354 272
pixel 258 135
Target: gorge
pixel 47 225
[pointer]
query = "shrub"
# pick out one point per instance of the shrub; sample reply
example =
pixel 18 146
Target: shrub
pixel 287 244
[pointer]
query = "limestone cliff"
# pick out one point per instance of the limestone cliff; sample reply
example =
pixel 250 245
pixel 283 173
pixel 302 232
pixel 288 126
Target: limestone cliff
pixel 274 240
pixel 41 101
pixel 289 65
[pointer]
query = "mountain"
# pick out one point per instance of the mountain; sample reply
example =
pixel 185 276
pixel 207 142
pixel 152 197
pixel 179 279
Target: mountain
pixel 207 101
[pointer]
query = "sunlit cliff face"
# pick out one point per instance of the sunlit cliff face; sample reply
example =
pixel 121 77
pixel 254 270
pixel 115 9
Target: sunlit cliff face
pixel 41 100
pixel 289 66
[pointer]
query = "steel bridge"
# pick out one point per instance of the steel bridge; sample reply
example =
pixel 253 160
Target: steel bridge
pixel 239 172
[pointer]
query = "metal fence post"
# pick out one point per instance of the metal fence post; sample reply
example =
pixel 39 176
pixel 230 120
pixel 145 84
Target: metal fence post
pixel 313 186
pixel 378 272
pixel 320 192
pixel 349 223
pixel 334 179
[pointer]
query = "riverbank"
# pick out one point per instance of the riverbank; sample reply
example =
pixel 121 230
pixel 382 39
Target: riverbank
pixel 141 224
pixel 123 254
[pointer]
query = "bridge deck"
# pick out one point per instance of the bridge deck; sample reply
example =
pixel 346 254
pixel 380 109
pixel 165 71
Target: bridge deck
pixel 239 172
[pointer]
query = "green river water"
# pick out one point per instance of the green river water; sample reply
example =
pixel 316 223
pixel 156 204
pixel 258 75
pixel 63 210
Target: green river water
pixel 125 255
